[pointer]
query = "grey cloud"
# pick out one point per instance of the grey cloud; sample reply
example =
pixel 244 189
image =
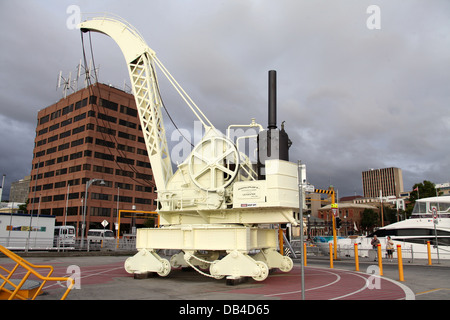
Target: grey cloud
pixel 352 98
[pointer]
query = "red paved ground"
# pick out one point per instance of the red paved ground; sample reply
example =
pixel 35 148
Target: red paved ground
pixel 326 284
pixel 320 283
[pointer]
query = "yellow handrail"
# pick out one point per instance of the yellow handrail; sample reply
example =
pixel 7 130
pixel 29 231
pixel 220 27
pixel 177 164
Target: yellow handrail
pixel 30 268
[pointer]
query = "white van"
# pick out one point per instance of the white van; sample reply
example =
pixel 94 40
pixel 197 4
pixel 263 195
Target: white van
pixel 97 235
pixel 64 236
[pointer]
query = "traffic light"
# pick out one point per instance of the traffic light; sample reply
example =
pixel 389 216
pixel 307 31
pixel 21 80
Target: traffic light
pixel 338 222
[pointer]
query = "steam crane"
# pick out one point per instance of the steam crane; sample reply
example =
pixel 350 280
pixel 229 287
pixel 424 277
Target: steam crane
pixel 217 209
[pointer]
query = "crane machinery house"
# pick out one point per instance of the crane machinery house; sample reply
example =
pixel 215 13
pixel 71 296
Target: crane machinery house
pixel 217 208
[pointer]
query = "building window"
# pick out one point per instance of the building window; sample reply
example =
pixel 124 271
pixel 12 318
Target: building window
pixel 40 153
pixel 128 111
pixel 143 201
pixel 41 142
pixel 143 188
pixel 51 150
pixel 124 173
pixel 128 136
pixel 125 148
pixel 53 138
pixel 103 212
pixel 55 114
pixel 125 160
pixel 108 104
pixel 103 169
pixel 62 159
pixel 47 199
pixel 125 186
pixel 127 124
pixel 79 117
pixel 76 155
pixel 49 174
pixel 47 186
pixel 66 122
pixel 104 156
pixel 143 164
pixel 124 199
pixel 81 104
pixel 107 118
pixel 44 119
pixel 106 130
pixel 78 130
pixel 42 131
pixel 75 168
pixel 74 182
pixel 63 146
pixel 65 134
pixel 67 109
pixel 143 176
pixel 105 143
pixel 101 196
pixel 74 195
pixel 60 184
pixel 53 127
pixel 142 152
pixel 58 197
pixel 77 142
pixel 61 171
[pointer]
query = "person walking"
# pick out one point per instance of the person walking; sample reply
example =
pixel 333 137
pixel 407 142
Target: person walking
pixel 375 242
pixel 389 248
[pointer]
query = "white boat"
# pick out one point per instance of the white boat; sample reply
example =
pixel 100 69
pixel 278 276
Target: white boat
pixel 413 233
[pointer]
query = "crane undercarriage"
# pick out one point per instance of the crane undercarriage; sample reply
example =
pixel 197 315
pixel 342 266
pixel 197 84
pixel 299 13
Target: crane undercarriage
pixel 223 250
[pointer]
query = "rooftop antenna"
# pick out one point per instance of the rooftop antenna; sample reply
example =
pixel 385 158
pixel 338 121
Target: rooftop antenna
pixel 90 74
pixel 66 83
pixel 126 87
pixel 79 67
pixel 3 185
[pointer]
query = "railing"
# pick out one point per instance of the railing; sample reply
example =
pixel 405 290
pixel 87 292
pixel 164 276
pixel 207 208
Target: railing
pixel 20 262
pixel 127 242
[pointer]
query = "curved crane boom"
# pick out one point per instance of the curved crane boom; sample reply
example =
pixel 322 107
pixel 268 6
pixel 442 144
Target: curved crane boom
pixel 140 62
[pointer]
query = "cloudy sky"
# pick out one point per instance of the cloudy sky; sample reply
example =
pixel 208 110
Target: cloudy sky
pixel 358 88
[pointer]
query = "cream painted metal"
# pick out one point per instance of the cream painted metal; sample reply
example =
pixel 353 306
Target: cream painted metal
pixel 213 206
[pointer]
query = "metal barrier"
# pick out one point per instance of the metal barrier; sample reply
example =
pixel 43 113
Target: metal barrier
pixel 20 262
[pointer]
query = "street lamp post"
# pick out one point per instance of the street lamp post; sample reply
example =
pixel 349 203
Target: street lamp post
pixel 83 225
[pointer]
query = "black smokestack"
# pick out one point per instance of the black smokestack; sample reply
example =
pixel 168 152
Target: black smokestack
pixel 272 99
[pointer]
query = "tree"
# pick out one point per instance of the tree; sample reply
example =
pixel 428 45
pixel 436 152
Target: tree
pixel 390 214
pixel 369 219
pixel 23 207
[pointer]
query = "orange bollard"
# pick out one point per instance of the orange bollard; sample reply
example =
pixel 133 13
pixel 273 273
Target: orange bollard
pixel 356 258
pixel 331 255
pixel 304 253
pixel 400 263
pixel 429 253
pixel 380 260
